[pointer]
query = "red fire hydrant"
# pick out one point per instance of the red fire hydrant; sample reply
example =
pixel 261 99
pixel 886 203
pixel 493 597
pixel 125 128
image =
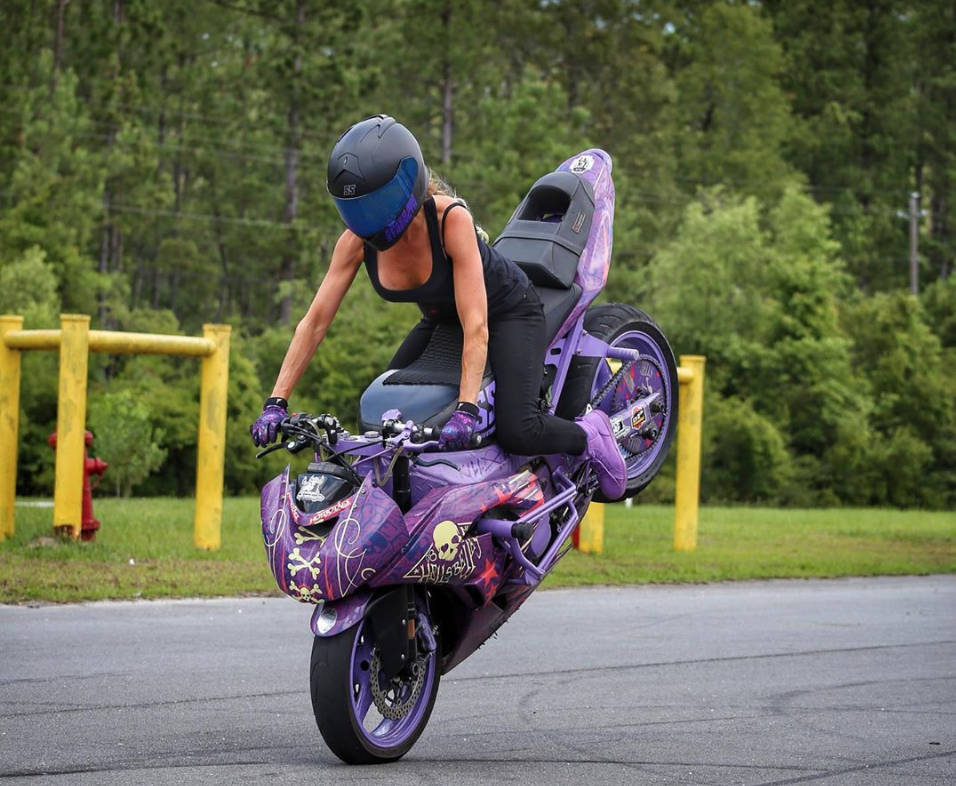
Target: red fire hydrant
pixel 91 466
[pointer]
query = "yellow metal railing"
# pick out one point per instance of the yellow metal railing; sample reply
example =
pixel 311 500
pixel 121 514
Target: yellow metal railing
pixel 690 375
pixel 75 341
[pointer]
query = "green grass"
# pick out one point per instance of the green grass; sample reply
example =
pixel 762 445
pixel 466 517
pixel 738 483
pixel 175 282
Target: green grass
pixel 144 550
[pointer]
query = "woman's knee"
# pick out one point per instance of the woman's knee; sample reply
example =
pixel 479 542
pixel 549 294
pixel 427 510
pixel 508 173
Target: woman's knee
pixel 517 432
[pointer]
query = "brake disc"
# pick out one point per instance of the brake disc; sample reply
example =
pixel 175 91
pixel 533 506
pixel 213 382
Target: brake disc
pixel 392 701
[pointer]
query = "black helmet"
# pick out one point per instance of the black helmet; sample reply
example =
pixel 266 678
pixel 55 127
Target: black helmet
pixel 377 179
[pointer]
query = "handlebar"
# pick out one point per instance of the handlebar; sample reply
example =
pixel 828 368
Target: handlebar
pixel 303 430
pixel 417 435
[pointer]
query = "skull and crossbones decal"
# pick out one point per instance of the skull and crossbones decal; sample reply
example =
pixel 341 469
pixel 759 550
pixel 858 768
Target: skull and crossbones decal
pixel 447 539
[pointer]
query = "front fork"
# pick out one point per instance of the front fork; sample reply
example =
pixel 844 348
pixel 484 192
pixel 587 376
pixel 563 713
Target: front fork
pixel 397 620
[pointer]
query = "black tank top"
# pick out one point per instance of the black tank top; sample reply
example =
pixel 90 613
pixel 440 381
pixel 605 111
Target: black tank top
pixel 505 282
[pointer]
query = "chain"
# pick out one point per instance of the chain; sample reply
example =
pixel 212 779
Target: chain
pixel 611 383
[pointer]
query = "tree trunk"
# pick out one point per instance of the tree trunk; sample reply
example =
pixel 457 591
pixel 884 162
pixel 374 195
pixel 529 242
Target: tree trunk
pixel 287 271
pixel 109 242
pixel 106 244
pixel 446 107
pixel 58 43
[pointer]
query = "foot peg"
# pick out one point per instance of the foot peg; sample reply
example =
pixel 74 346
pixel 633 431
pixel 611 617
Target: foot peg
pixel 505 529
pixel 521 532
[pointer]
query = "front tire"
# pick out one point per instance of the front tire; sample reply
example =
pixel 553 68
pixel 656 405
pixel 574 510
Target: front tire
pixel 347 709
pixel 656 373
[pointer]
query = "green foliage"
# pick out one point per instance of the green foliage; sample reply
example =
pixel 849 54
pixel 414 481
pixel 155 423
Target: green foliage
pixel 28 288
pixel 733 112
pixel 939 300
pixel 507 135
pixel 744 452
pixel 124 438
pixel 914 414
pixel 758 297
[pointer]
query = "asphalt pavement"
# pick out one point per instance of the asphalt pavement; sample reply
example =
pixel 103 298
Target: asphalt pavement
pixel 781 682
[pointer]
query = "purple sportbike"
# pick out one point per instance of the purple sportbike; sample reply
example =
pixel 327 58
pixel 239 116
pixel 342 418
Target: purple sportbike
pixel 413 556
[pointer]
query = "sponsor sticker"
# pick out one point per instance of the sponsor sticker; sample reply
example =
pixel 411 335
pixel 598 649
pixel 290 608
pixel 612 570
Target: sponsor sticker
pixel 638 418
pixel 310 489
pixel 582 164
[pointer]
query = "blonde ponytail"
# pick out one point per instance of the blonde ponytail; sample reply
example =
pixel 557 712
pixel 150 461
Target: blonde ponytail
pixel 437 185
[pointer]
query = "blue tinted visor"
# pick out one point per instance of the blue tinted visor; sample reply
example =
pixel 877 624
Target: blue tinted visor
pixel 369 214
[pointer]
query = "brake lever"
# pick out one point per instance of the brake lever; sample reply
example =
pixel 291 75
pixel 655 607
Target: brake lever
pixel 270 449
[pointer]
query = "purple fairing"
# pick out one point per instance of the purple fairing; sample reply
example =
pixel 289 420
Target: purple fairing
pixel 439 470
pixel 441 551
pixel 594 166
pixel 316 557
pixel 332 617
pixel 486 409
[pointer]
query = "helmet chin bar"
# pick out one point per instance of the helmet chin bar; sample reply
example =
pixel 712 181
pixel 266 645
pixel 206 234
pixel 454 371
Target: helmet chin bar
pixel 387 237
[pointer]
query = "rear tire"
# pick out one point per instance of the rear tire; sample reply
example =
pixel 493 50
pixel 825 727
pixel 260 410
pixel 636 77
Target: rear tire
pixel 345 710
pixel 625 326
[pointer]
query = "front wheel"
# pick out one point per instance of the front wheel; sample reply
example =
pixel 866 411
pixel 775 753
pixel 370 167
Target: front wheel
pixel 613 386
pixel 365 717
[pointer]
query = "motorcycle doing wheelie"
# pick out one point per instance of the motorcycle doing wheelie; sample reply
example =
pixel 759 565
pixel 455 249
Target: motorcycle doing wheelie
pixel 412 556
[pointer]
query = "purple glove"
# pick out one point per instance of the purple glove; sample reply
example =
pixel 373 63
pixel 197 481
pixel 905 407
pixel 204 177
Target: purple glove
pixel 457 433
pixel 264 430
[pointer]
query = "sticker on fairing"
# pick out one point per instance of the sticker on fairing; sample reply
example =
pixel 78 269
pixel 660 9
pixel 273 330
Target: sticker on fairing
pixel 310 489
pixel 582 164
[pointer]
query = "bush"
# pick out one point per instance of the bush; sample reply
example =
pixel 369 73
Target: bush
pixel 744 455
pixel 125 438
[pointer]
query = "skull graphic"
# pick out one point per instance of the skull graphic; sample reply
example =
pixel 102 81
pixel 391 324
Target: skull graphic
pixel 447 540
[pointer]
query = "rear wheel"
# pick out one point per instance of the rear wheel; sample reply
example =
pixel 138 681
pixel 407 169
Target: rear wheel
pixel 613 386
pixel 363 716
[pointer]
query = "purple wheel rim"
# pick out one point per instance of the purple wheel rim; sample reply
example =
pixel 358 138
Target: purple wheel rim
pixel 385 733
pixel 652 375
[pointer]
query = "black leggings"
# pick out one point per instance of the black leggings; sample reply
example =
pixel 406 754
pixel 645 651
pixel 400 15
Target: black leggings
pixel 516 346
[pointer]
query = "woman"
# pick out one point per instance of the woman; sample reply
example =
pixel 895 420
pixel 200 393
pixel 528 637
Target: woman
pixel 420 245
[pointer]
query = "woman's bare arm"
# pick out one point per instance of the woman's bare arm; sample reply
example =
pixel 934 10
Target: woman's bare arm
pixel 471 300
pixel 312 328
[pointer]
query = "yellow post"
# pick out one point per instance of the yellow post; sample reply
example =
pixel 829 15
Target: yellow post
pixel 591 530
pixel 71 424
pixel 687 492
pixel 211 451
pixel 9 423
